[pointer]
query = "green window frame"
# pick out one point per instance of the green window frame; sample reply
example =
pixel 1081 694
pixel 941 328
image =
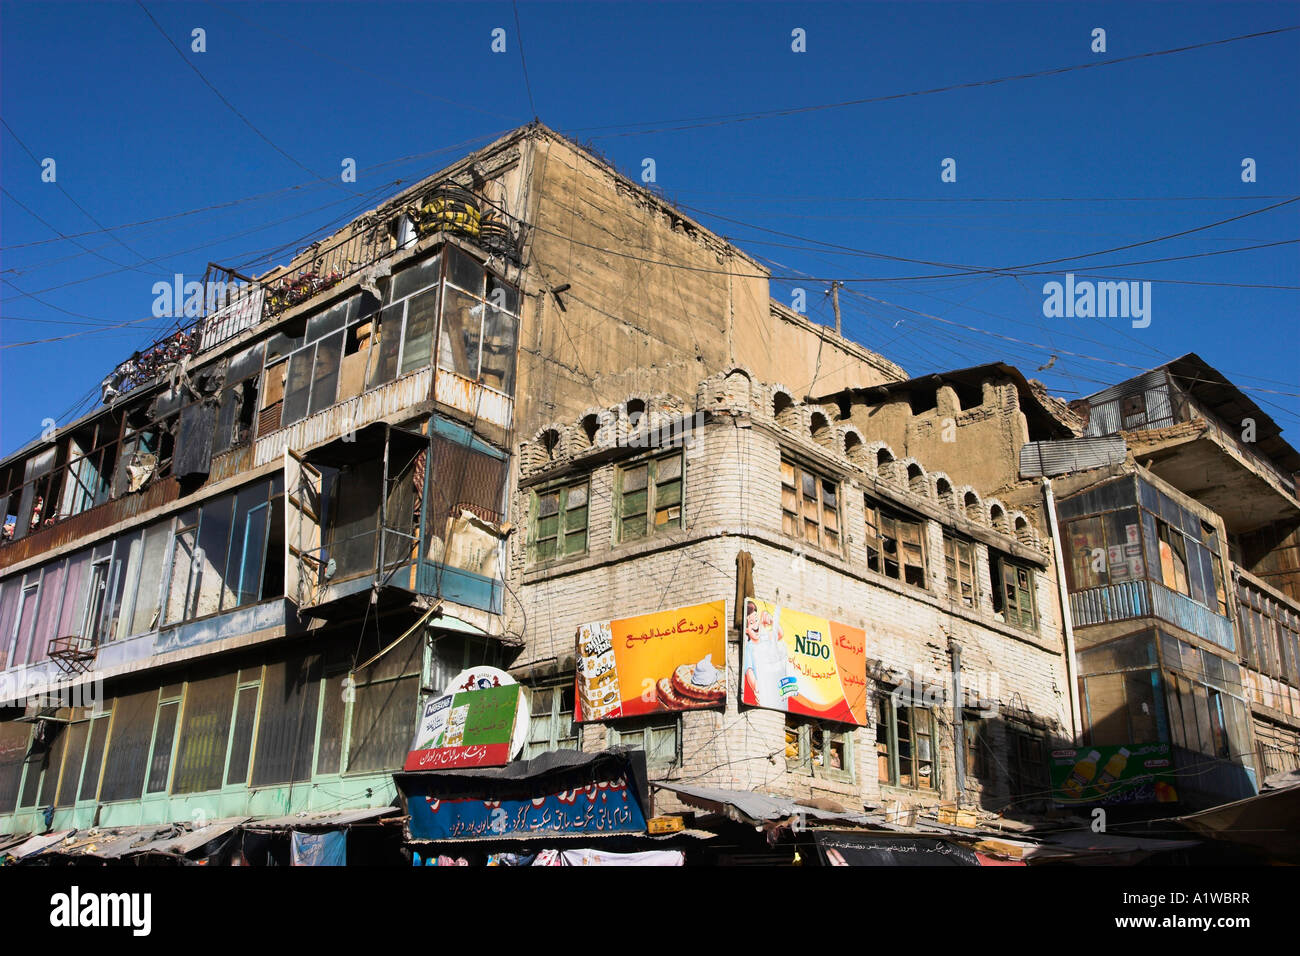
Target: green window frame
pixel 550 720
pixel 896 544
pixel 659 736
pixel 1013 593
pixel 649 495
pixel 560 515
pixel 819 749
pixel 907 745
pixel 959 562
pixel 810 506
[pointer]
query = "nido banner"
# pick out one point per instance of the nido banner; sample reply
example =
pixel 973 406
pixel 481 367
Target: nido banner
pixel 670 660
pixel 803 664
pixel 468 729
pixel 1133 773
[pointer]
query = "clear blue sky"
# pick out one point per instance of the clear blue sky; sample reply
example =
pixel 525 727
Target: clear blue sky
pixel 137 135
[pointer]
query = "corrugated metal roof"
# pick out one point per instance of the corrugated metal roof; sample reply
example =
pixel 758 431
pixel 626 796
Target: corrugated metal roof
pixel 754 808
pixel 1050 458
pixel 323 818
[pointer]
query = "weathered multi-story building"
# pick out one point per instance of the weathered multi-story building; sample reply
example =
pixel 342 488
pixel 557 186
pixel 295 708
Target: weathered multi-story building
pixel 524 396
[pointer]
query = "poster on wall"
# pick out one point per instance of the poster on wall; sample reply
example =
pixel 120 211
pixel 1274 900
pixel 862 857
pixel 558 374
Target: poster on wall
pixel 468 728
pixel 1133 773
pixel 803 664
pixel 666 661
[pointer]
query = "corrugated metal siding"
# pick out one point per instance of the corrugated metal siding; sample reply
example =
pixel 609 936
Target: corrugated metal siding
pixel 1190 616
pixel 474 399
pixel 355 413
pixel 90 522
pixel 1115 602
pixel 1077 454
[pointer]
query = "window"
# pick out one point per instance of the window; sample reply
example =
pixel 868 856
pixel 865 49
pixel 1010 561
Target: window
pixel 659 737
pixel 979 754
pixel 810 506
pixel 649 497
pixel 1013 592
pixel 160 762
pixel 204 734
pixel 182 595
pixel 817 749
pixel 959 560
pixel 895 545
pixel 559 522
pixel 1029 769
pixel 906 752
pixel 384 709
pixel 551 725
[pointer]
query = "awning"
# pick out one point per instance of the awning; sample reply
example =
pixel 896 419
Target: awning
pixel 166 839
pixel 1265 823
pixel 856 848
pixel 324 819
pixel 755 808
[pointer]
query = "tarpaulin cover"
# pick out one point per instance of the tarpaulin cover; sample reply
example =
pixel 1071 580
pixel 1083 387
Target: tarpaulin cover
pixel 863 849
pixel 320 849
pixel 601 858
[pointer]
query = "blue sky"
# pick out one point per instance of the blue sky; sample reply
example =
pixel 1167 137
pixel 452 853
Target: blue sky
pixel 405 88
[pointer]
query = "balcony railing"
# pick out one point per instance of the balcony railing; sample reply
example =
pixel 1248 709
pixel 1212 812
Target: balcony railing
pixel 444 207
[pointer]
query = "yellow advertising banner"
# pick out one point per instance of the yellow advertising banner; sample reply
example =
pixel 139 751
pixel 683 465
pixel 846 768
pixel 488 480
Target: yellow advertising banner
pixel 803 664
pixel 666 661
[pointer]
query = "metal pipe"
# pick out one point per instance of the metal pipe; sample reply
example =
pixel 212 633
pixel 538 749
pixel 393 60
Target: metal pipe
pixel 959 726
pixel 1067 624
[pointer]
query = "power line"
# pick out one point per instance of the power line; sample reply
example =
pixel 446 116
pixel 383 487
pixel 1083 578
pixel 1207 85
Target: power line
pixel 231 106
pixel 519 37
pixel 724 119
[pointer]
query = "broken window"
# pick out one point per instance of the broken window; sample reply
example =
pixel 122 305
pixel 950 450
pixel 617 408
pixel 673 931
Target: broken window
pixel 979 753
pixel 658 736
pixel 895 545
pixel 810 506
pixel 559 521
pixel 466 475
pixel 959 562
pixel 818 749
pixel 649 496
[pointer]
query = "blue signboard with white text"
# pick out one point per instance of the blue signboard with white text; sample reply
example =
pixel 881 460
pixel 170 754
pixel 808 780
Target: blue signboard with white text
pixel 598 809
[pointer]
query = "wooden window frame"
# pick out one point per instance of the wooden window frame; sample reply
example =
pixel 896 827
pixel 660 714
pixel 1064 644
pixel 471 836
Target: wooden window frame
pixel 563 514
pixel 616 736
pixel 802 733
pixel 887 717
pixel 557 689
pixel 797 523
pixel 884 527
pixel 652 490
pixel 1007 601
pixel 952 546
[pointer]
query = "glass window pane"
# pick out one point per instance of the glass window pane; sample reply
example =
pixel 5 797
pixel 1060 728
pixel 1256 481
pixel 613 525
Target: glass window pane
pixel 242 740
pixel 458 341
pixel 160 765
pixel 214 538
pixel 201 754
pixel 286 727
pixel 383 361
pixel 421 317
pixel 502 295
pixel 414 278
pixel 78 734
pixel 180 594
pixel 500 335
pixel 465 272
pixel 297 387
pixel 324 388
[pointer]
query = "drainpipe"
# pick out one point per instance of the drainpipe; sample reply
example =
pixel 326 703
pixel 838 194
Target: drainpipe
pixel 1067 625
pixel 959 728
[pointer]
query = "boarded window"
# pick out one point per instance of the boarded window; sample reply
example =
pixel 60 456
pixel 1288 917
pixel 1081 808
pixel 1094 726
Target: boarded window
pixel 464 479
pixel 286 729
pixel 128 748
pixel 201 755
